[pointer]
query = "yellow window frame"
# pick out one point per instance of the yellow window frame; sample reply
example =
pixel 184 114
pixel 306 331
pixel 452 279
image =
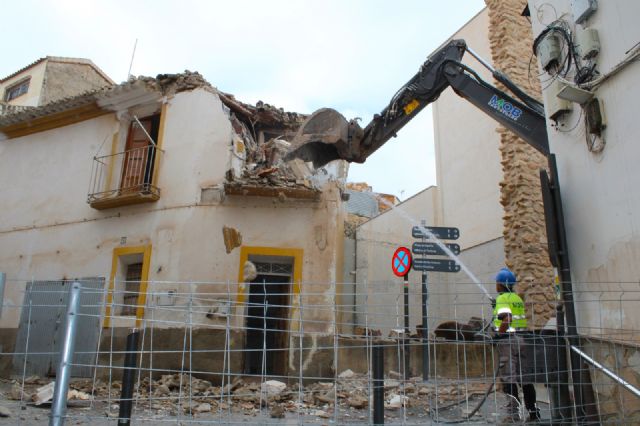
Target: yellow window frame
pixel 246 251
pixel 144 280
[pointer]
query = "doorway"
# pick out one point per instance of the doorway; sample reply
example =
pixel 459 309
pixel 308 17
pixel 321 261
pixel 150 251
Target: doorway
pixel 139 155
pixel 267 321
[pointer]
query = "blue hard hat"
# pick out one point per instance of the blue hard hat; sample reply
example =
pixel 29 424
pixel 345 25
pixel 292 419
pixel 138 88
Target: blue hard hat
pixel 506 277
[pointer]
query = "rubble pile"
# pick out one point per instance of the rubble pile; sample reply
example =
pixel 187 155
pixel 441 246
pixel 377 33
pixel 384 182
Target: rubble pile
pixel 178 394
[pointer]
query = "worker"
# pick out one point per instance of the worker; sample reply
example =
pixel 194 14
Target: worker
pixel 509 320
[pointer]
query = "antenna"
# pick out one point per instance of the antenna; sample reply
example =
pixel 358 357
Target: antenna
pixel 132 56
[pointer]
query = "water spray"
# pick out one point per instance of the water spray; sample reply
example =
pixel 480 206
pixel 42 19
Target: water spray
pixel 440 244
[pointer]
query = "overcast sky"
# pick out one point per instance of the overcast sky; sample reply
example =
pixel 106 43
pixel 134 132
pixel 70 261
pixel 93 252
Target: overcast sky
pixel 351 55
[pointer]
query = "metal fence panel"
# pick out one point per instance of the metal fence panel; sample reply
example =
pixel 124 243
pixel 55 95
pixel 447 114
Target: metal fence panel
pixel 42 321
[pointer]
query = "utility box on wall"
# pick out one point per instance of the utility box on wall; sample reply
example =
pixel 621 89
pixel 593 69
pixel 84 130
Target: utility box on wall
pixel 583 9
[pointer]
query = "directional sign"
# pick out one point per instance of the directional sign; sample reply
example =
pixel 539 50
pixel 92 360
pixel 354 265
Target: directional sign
pixel 401 262
pixel 439 232
pixel 435 265
pixel 433 249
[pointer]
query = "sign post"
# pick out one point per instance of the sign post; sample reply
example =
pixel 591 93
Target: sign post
pixel 424 264
pixel 401 265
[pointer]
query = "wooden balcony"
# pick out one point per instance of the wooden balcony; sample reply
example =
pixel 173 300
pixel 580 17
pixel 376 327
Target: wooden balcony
pixel 125 178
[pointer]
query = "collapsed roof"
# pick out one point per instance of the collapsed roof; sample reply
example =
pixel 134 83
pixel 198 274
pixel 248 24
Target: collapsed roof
pixel 264 129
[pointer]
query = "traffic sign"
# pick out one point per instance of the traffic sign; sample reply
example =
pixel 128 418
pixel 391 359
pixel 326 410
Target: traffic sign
pixel 435 265
pixel 440 232
pixel 401 262
pixel 433 249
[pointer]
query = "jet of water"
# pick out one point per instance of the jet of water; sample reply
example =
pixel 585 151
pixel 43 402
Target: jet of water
pixel 440 244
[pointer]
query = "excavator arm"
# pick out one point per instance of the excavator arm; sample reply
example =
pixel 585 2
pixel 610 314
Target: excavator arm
pixel 326 135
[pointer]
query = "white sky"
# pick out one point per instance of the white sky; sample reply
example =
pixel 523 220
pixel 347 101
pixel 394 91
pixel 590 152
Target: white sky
pixel 351 55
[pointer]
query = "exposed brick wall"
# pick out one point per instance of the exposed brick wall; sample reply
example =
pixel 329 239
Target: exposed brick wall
pixel 525 242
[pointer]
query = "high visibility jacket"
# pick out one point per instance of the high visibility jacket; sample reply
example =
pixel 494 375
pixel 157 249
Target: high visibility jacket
pixel 512 304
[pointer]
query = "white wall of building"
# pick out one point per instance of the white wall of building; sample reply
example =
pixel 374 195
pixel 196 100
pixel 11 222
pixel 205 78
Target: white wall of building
pixel 467 155
pixel 600 192
pixel 380 293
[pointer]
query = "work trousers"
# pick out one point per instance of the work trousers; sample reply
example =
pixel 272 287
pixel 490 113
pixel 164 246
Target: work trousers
pixel 511 359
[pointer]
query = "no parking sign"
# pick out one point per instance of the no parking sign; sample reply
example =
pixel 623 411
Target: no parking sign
pixel 401 262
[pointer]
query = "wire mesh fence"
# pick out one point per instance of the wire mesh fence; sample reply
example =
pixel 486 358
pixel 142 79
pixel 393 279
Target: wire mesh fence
pixel 272 352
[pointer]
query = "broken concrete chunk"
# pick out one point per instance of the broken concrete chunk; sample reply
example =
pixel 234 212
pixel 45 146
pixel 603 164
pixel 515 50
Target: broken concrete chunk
pixel 277 412
pixel 396 401
pixel 321 413
pixel 43 394
pixel 16 393
pixel 4 412
pixel 346 374
pixel 74 394
pixel 358 402
pixel 391 384
pixel 232 238
pixel 273 387
pixel 205 407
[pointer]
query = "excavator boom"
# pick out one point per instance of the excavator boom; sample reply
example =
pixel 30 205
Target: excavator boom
pixel 326 135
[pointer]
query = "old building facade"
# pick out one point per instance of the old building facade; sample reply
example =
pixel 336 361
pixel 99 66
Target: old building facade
pixel 186 184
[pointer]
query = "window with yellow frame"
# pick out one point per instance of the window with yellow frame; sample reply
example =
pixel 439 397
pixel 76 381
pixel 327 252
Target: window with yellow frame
pixel 127 294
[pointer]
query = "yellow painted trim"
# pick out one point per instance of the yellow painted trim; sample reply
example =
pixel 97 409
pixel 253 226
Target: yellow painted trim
pixel 246 251
pixel 53 121
pixel 159 143
pixel 144 280
pixel 112 160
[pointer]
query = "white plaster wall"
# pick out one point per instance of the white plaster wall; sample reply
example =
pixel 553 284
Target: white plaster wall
pixel 32 97
pixel 467 155
pixel 600 192
pixel 47 231
pixel 379 292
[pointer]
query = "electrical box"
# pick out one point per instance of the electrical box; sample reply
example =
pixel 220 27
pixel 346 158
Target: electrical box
pixel 588 43
pixel 549 52
pixel 574 94
pixel 556 106
pixel 167 298
pixel 594 114
pixel 583 9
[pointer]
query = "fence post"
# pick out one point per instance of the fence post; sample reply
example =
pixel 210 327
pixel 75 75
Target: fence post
pixel 377 361
pixel 3 278
pixel 59 405
pixel 128 377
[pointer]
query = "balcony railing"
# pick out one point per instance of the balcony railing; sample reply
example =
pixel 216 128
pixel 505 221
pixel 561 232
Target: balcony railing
pixel 124 178
pixel 6 108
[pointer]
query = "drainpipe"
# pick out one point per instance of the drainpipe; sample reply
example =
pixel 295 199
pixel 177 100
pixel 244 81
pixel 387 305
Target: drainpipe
pixel 586 408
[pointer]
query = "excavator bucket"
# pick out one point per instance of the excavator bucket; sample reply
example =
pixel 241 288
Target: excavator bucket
pixel 326 136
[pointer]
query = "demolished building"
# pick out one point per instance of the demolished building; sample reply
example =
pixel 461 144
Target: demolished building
pixel 186 184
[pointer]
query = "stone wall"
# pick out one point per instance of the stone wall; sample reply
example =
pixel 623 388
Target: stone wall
pixel 64 79
pixel 525 242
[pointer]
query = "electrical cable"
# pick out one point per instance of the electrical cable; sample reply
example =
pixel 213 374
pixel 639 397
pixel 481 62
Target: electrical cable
pixel 583 74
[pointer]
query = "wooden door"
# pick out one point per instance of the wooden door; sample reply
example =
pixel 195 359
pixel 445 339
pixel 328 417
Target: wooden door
pixel 138 157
